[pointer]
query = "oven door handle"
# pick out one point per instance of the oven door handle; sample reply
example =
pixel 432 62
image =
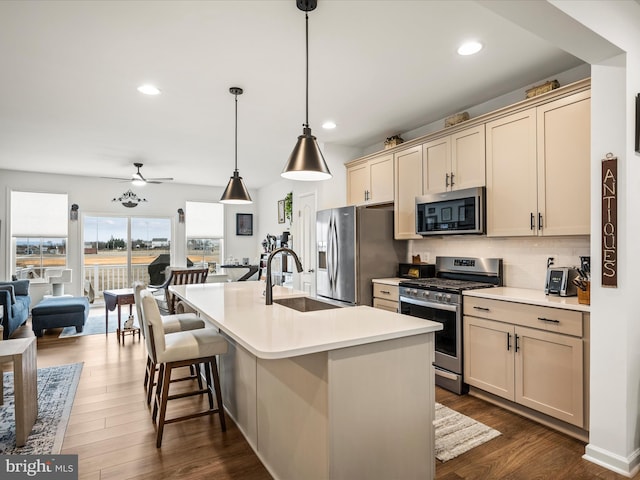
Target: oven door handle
pixel 426 303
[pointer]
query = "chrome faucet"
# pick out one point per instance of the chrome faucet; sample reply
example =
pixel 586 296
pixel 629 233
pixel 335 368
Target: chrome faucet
pixel 269 286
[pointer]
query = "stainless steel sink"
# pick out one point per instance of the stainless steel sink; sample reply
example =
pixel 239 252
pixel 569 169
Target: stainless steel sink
pixel 305 304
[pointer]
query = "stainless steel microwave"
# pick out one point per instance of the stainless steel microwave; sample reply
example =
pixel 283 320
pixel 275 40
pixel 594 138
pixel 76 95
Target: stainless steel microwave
pixel 457 212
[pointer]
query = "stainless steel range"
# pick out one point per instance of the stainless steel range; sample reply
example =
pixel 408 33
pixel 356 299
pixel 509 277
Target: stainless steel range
pixel 440 299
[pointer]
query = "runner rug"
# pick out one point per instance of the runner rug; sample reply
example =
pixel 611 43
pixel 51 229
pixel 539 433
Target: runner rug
pixel 56 391
pixel 456 433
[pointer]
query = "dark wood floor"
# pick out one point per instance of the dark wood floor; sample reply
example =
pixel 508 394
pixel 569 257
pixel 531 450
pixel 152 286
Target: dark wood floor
pixel 111 430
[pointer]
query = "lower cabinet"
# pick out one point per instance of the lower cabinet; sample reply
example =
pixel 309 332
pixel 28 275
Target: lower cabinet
pixel 385 296
pixel 538 368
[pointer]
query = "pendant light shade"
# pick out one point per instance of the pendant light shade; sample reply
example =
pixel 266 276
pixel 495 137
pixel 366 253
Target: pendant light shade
pixel 306 161
pixel 236 192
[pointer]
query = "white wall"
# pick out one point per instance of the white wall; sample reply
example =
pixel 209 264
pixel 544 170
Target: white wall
pixel 615 331
pixel 565 78
pixel 94 195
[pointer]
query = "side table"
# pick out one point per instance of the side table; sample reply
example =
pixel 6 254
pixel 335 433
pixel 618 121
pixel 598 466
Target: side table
pixel 22 352
pixel 117 298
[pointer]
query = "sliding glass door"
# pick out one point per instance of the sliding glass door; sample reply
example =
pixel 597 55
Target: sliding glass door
pixel 120 250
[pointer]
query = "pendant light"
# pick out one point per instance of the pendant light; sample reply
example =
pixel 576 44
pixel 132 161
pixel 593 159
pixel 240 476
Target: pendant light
pixel 306 161
pixel 236 192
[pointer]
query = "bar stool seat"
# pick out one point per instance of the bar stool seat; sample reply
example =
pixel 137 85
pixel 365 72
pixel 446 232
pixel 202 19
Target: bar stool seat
pixel 176 350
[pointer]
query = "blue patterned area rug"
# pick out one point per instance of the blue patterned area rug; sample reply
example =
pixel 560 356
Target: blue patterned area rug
pixel 56 391
pixel 95 323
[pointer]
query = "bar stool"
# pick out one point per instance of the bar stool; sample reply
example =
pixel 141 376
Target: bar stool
pixel 181 349
pixel 171 324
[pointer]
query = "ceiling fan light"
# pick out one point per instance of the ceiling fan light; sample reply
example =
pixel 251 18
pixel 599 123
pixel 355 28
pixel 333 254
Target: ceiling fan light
pixel 236 193
pixel 138 182
pixel 306 162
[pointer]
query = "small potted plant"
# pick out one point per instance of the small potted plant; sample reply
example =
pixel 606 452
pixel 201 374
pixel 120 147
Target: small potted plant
pixel 288 207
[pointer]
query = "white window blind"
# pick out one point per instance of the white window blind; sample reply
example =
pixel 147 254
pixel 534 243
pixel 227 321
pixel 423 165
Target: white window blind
pixel 204 220
pixel 39 214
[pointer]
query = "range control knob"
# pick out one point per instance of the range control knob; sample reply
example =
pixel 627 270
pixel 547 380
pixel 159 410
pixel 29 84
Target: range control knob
pixel 448 297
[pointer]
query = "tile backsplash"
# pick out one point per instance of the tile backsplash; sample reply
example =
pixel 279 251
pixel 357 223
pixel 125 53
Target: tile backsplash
pixel 524 259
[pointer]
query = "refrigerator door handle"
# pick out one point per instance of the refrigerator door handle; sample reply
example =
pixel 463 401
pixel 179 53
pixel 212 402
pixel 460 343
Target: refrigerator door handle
pixel 330 253
pixel 336 255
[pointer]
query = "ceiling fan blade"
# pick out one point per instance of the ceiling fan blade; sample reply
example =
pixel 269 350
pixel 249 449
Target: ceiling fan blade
pixel 160 179
pixel 117 178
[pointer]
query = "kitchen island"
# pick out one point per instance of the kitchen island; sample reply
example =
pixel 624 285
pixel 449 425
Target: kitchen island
pixel 339 393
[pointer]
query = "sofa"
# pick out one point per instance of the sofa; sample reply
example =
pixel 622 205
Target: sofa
pixel 14 301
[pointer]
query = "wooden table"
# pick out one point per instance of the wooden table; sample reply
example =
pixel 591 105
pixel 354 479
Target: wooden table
pixel 117 298
pixel 22 352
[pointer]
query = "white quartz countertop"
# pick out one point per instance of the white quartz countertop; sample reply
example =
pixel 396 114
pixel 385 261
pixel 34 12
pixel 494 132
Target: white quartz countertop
pixel 274 331
pixel 388 281
pixel 529 296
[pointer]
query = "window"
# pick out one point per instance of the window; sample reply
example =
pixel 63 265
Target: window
pixel 205 232
pixel 39 226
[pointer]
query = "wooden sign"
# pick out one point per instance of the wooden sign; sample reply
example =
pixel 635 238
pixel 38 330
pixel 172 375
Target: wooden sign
pixel 610 221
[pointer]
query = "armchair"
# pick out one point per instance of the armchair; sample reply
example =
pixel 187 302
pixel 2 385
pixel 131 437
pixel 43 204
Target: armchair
pixel 167 302
pixel 57 277
pixel 14 302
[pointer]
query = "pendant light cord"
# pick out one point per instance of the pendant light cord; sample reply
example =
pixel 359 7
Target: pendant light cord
pixel 236 169
pixel 306 16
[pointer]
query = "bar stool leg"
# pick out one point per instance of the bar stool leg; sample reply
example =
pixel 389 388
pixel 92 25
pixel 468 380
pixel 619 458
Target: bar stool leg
pixel 163 402
pixel 216 383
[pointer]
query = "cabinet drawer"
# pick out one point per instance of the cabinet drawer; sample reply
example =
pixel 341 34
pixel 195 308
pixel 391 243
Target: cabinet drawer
pixel 568 322
pixel 389 292
pixel 383 304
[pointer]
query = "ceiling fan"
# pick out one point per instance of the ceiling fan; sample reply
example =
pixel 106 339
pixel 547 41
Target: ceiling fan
pixel 138 179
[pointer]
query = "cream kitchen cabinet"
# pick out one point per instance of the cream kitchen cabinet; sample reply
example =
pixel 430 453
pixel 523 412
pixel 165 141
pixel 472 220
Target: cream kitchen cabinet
pixel 370 181
pixel 538 169
pixel 408 185
pixel 385 296
pixel 454 162
pixel 528 354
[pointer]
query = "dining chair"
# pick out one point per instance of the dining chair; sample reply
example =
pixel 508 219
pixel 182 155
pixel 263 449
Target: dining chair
pixel 171 324
pixel 177 350
pixel 167 301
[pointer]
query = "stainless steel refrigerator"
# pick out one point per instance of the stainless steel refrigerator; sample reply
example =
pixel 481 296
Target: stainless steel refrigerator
pixel 355 245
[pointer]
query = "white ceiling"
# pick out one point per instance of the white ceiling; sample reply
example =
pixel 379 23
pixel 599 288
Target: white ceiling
pixel 68 102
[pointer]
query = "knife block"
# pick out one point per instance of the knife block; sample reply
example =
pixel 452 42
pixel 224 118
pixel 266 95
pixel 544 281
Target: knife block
pixel 584 296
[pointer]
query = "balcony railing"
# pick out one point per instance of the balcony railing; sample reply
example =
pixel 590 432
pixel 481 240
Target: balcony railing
pixel 112 277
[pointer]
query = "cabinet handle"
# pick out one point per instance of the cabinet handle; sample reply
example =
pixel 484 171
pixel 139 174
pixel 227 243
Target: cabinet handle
pixel 517 344
pixel 533 219
pixel 539 221
pixel 452 182
pixel 484 309
pixel 508 341
pixel 550 320
pixel 386 292
pixel 446 179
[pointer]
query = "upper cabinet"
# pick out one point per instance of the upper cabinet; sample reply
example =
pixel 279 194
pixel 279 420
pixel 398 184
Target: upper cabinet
pixel 454 162
pixel 408 175
pixel 370 181
pixel 538 170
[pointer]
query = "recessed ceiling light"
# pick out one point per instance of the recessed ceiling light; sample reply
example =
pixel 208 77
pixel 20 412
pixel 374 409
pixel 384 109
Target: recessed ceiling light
pixel 469 48
pixel 329 125
pixel 149 89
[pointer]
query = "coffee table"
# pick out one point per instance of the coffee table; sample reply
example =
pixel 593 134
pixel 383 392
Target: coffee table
pixel 117 298
pixel 22 352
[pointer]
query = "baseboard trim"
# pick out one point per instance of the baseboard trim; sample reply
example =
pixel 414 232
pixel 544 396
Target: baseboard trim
pixel 627 466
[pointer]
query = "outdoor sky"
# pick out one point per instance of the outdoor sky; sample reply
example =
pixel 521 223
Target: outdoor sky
pixel 105 228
